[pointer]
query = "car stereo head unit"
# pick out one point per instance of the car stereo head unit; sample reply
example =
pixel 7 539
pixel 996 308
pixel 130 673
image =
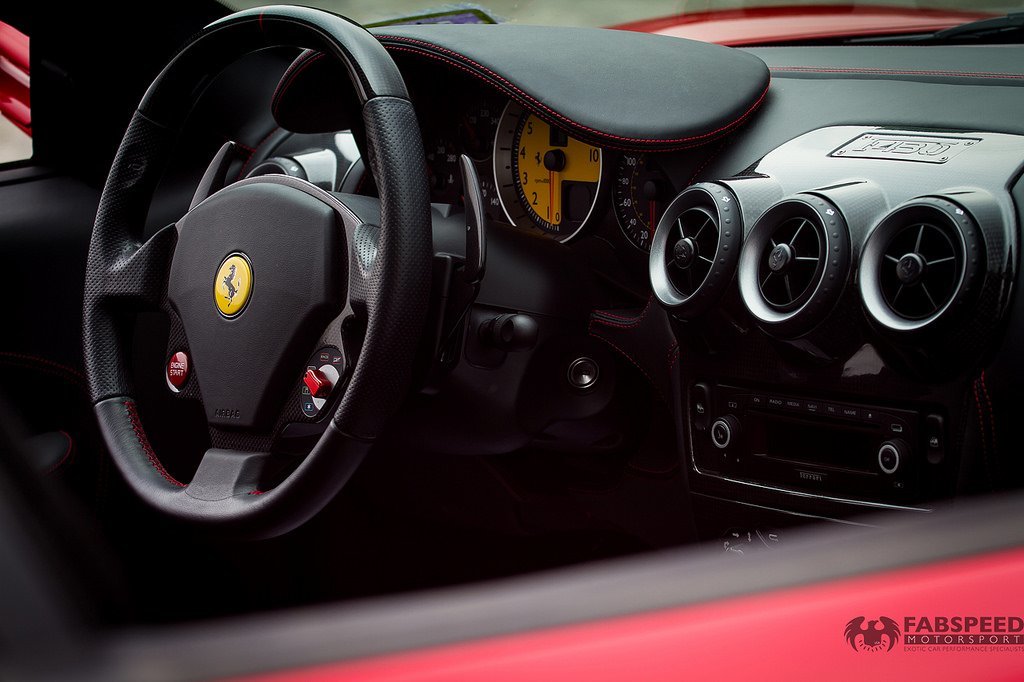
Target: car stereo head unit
pixel 846 450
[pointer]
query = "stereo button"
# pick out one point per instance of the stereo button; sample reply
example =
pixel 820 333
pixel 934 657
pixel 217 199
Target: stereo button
pixel 700 397
pixel 891 455
pixel 724 431
pixel 934 433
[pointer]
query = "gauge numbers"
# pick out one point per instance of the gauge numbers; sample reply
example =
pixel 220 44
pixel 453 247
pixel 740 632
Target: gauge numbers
pixel 642 191
pixel 548 180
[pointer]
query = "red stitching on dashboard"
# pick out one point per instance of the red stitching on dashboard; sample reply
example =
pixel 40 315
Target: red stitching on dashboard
pixel 981 416
pixel 623 322
pixel 298 66
pixel 673 355
pixel 140 434
pixel 30 360
pixel 617 325
pixel 65 457
pixel 991 412
pixel 712 155
pixel 896 72
pixel 631 360
pixel 517 93
pixel 623 318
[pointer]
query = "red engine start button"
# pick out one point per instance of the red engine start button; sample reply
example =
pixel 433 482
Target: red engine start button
pixel 177 371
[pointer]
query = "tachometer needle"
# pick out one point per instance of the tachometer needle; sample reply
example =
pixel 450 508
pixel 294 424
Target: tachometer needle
pixel 554 161
pixel 552 208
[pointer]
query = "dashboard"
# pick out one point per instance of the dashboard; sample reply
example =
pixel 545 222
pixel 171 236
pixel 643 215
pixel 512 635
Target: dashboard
pixel 817 276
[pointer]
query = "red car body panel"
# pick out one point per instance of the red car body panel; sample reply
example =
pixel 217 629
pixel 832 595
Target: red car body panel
pixel 790 634
pixel 15 103
pixel 782 24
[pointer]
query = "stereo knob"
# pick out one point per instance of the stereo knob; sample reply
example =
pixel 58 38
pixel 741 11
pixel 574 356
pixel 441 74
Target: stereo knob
pixel 891 455
pixel 724 431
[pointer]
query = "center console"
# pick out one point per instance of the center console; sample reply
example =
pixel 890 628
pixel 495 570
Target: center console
pixel 832 354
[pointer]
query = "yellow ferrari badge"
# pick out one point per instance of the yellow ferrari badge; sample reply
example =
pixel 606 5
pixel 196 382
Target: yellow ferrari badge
pixel 233 285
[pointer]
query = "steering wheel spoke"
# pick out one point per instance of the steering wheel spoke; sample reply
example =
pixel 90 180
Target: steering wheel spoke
pixel 137 279
pixel 228 473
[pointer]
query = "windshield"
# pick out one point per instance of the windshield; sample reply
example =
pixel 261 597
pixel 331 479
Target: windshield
pixel 610 12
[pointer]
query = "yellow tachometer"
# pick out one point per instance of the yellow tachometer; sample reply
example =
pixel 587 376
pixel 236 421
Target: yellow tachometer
pixel 555 177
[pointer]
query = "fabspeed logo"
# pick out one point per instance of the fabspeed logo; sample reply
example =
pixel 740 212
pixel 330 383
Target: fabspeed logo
pixel 876 635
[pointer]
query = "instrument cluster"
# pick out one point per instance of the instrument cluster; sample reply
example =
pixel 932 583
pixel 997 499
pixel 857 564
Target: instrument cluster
pixel 538 179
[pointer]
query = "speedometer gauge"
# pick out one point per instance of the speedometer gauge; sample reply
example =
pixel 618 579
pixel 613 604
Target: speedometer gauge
pixel 476 128
pixel 642 190
pixel 548 180
pixel 443 170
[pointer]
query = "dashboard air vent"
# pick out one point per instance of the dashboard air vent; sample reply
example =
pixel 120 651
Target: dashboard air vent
pixel 794 265
pixel 915 264
pixel 695 248
pixel 692 245
pixel 790 262
pixel 920 269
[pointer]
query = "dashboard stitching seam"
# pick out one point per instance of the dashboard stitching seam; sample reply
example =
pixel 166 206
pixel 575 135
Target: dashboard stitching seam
pixel 697 139
pixel 981 418
pixel 617 325
pixel 895 72
pixel 991 412
pixel 631 360
pixel 28 360
pixel 630 322
pixel 710 157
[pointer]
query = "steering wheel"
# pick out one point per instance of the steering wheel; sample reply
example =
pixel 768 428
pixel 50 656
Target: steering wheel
pixel 304 264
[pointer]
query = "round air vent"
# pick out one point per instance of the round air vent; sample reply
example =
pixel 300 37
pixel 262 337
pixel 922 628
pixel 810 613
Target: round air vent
pixel 919 263
pixel 790 263
pixel 794 265
pixel 695 248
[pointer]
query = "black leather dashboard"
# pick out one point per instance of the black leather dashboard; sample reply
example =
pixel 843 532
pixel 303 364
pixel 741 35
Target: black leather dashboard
pixel 669 93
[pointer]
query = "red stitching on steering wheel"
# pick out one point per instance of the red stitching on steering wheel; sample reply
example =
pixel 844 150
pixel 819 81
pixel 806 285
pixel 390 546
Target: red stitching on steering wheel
pixel 140 434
